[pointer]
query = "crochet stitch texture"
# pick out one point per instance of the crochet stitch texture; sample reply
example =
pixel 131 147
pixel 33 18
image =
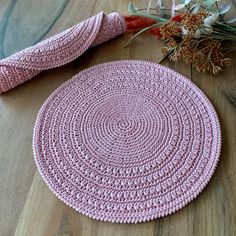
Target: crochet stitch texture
pixel 127 141
pixel 60 49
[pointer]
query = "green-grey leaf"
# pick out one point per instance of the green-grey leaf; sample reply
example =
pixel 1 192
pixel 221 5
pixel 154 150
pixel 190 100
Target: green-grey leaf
pixel 131 8
pixel 209 4
pixel 194 9
pixel 149 6
pixel 179 6
pixel 224 8
pixel 231 21
pixel 187 2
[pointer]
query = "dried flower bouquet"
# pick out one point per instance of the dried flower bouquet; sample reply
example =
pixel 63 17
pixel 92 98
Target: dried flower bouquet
pixel 192 31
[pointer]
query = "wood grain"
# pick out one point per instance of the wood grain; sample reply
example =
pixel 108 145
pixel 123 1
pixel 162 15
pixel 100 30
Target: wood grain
pixel 29 208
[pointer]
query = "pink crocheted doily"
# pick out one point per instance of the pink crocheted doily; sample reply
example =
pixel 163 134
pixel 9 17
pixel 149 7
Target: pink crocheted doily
pixel 127 141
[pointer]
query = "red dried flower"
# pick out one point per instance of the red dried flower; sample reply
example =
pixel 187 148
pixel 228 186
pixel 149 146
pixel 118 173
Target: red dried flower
pixel 135 23
pixel 177 18
pixel 156 31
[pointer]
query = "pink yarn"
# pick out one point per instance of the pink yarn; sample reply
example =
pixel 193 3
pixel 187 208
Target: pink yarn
pixel 127 141
pixel 59 49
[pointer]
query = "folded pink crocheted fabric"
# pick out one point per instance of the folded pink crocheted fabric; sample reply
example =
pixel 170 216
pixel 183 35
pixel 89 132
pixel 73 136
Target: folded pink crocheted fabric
pixel 60 49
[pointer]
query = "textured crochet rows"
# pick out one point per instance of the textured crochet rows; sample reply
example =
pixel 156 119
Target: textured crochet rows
pixel 59 49
pixel 127 141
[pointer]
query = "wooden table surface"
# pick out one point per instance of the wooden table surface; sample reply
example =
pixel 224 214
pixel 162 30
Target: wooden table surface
pixel 27 206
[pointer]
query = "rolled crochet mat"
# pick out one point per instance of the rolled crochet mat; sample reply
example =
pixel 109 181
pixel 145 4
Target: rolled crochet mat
pixel 60 49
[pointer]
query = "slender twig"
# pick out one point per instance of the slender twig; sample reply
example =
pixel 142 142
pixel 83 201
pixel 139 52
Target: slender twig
pixel 164 9
pixel 201 40
pixel 144 9
pixel 217 7
pixel 165 56
pixel 217 30
pixel 227 26
pixel 231 50
pixel 187 7
pixel 141 31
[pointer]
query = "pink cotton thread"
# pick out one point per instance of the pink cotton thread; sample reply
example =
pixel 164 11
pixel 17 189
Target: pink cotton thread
pixel 127 141
pixel 60 49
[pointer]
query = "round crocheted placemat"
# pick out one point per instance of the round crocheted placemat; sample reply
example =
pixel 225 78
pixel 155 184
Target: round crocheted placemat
pixel 127 141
